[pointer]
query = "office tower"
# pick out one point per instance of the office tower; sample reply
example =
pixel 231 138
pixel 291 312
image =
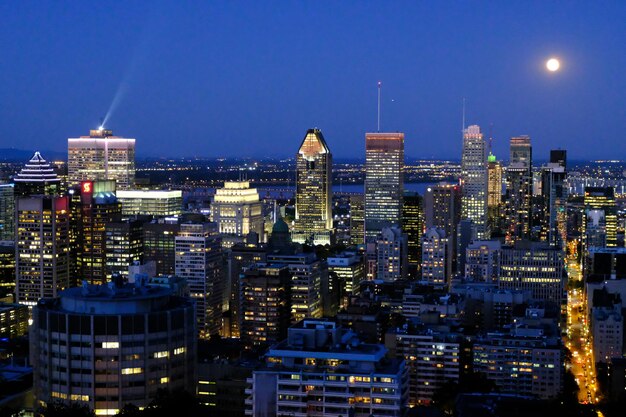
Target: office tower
pixel 199 260
pixel 123 245
pixel 307 274
pixel 519 191
pixel 7 269
pixel 523 362
pixel 357 219
pixel 151 202
pixel 464 236
pixel 37 178
pixel 533 266
pixel 413 226
pixel 432 358
pixel 436 258
pixel 107 346
pixel 554 199
pixel 237 210
pixel 474 181
pixel 42 252
pixel 240 257
pixel 159 244
pixel 494 192
pixel 391 254
pixel 384 181
pixel 265 294
pixel 7 212
pixel 98 206
pixel 314 219
pixel 442 210
pixel 335 373
pixel 482 261
pixel 599 226
pixel 101 156
pixel 349 267
pixel 13 320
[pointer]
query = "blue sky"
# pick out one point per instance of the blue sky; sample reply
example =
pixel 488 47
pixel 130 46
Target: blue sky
pixel 239 78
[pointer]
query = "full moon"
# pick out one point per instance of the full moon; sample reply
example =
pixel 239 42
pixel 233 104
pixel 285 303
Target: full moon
pixel 553 64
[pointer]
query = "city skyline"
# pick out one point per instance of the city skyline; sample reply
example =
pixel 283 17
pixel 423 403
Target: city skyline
pixel 186 74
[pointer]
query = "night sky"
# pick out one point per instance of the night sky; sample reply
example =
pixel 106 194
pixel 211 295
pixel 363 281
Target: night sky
pixel 229 78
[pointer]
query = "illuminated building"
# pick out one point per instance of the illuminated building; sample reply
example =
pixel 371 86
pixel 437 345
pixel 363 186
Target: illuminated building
pixel 237 210
pixel 474 181
pixel 384 181
pixel 436 258
pixel 533 266
pixel 413 226
pixel 101 156
pixel 357 219
pixel 159 243
pixel 42 247
pixel 323 369
pixel 607 328
pixel 494 192
pixel 599 226
pixel 314 219
pixel 151 202
pixel 13 320
pixel 240 257
pixel 124 245
pixel 265 294
pixel 519 192
pixel 199 260
pixel 523 362
pixel 442 210
pixel 98 206
pixel 307 274
pixel 482 261
pixel 432 359
pixel 7 212
pixel 37 178
pixel 391 254
pixel 349 267
pixel 554 199
pixel 7 269
pixel 108 346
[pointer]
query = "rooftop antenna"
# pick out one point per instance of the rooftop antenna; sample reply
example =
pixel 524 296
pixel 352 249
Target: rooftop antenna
pixel 379 87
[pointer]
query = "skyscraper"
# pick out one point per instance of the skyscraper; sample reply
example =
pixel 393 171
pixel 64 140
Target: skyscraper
pixel 101 156
pixel 474 180
pixel 314 220
pixel 7 212
pixel 413 226
pixel 494 192
pixel 442 210
pixel 554 198
pixel 237 210
pixel 391 254
pixel 357 219
pixel 519 192
pixel 199 260
pixel 37 178
pixel 384 181
pixel 599 228
pixel 42 252
pixel 436 258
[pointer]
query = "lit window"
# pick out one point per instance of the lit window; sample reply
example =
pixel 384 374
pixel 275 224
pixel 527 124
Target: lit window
pixel 110 345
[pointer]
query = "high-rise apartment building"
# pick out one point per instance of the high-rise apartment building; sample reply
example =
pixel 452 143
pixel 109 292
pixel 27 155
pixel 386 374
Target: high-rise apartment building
pixel 265 300
pixel 384 181
pixel 199 260
pixel 349 268
pixel 123 245
pixel 7 212
pixel 519 189
pixel 474 181
pixel 357 219
pixel 436 258
pixel 322 369
pixel 237 210
pixel 108 346
pixel 494 192
pixel 391 254
pixel 554 198
pixel 37 178
pixel 101 156
pixel 42 247
pixel 442 210
pixel 413 226
pixel 482 261
pixel 314 220
pixel 159 244
pixel 151 202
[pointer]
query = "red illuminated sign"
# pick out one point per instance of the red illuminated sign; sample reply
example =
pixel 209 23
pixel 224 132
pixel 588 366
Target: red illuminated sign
pixel 87 187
